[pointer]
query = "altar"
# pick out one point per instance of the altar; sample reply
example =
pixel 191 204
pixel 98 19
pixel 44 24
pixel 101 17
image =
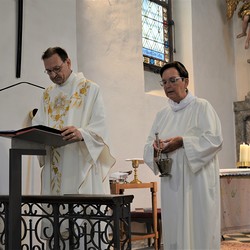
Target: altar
pixel 235 200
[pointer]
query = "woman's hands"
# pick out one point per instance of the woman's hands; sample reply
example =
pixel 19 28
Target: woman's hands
pixel 168 145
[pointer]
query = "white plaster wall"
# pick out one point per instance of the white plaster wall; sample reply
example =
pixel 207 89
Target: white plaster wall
pixel 109 49
pixel 44 25
pixel 106 44
pixel 182 16
pixel 214 69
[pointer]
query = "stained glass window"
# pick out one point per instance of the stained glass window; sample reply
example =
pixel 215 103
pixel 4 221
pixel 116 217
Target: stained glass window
pixel 155 34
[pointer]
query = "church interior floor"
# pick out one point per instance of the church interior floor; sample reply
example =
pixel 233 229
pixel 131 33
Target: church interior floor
pixel 235 237
pixel 241 237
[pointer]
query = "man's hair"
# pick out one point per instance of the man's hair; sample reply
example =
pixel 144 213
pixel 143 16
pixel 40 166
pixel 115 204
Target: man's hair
pixel 55 50
pixel 178 66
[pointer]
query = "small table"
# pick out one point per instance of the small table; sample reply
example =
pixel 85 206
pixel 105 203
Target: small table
pixel 118 188
pixel 145 216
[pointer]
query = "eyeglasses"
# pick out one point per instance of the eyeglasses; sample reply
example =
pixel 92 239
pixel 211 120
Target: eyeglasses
pixel 171 80
pixel 56 69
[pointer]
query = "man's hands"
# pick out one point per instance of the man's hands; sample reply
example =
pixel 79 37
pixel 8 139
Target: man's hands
pixel 71 133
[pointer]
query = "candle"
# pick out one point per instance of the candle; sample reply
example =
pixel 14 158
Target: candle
pixel 244 152
pixel 248 158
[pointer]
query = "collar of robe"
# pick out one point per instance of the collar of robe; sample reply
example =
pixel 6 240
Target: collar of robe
pixel 70 79
pixel 182 104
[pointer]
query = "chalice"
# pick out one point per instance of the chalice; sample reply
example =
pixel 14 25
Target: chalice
pixel 135 164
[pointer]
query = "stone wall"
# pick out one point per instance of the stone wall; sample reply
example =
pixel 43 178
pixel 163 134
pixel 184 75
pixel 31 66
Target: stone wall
pixel 242 122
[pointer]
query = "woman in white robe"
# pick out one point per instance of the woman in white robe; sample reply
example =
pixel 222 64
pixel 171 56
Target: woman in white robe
pixel 190 134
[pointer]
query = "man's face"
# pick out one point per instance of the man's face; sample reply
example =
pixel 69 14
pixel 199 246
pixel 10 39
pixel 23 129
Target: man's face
pixel 57 70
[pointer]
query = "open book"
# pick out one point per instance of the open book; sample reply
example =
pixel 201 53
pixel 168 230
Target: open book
pixel 11 133
pixel 40 134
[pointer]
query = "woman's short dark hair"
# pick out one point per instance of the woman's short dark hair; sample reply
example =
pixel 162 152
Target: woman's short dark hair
pixel 55 50
pixel 178 66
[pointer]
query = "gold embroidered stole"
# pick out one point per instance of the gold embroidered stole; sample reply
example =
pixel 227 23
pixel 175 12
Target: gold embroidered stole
pixel 58 113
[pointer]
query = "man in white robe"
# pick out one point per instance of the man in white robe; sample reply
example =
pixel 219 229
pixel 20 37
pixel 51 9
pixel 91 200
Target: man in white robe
pixel 82 166
pixel 190 197
pixel 73 105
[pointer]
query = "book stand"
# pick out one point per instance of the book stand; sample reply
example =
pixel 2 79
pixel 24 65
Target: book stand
pixel 27 141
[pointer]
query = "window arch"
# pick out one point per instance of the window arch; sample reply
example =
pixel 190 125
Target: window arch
pixel 156 34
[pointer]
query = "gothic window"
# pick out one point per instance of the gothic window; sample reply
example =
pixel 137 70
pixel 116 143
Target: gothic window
pixel 156 34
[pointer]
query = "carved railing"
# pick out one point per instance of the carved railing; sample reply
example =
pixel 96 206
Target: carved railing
pixel 71 222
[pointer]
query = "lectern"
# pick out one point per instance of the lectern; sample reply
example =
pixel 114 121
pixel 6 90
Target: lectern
pixel 27 141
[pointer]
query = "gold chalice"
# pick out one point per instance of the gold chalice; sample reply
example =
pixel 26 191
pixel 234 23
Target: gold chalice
pixel 135 164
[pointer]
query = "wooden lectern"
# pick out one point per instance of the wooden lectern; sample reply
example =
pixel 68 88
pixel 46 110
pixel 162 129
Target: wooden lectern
pixel 27 141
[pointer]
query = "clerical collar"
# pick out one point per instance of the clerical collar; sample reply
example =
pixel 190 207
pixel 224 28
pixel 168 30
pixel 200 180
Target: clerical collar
pixel 182 104
pixel 70 79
